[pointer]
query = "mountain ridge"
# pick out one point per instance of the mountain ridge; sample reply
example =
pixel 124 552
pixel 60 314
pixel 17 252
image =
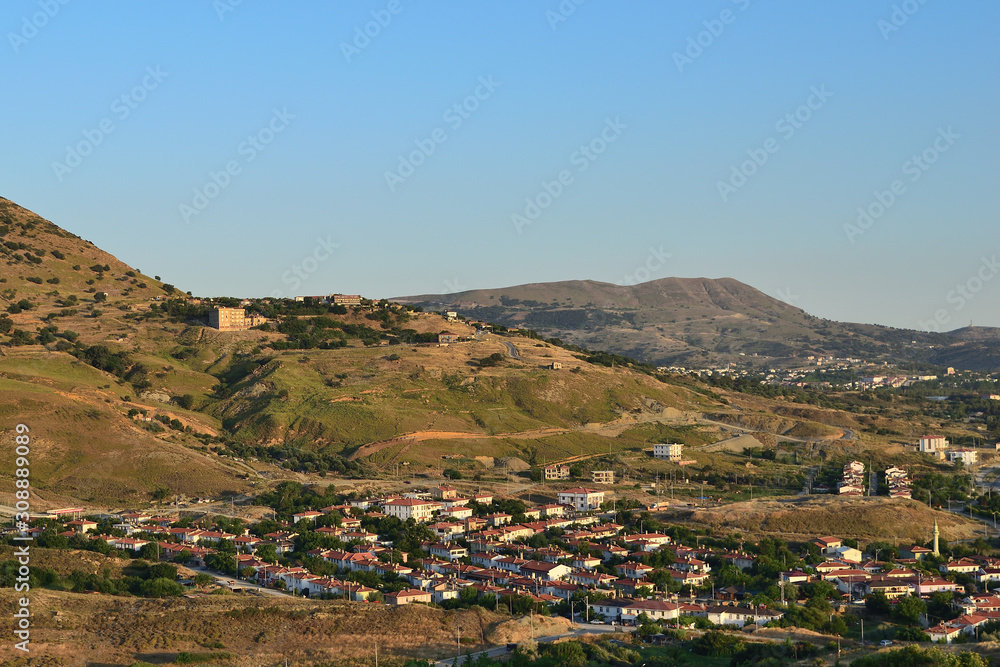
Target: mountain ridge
pixel 684 321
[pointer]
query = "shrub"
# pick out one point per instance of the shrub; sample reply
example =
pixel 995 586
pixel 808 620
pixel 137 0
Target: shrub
pixel 717 644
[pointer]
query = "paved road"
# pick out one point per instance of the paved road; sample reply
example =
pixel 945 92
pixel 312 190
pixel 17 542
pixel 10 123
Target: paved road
pixel 988 477
pixel 223 580
pixel 511 350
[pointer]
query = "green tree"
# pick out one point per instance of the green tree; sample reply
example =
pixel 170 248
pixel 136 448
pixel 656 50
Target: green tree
pixel 909 610
pixel 915 656
pixel 878 603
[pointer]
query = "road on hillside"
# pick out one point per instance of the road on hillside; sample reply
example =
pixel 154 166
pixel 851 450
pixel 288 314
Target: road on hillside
pixel 223 580
pixel 989 477
pixel 511 350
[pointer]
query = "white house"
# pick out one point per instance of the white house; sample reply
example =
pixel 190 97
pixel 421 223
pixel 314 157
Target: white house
pixel 740 616
pixel 933 444
pixel 410 508
pixel 670 451
pixel 966 456
pixel 581 499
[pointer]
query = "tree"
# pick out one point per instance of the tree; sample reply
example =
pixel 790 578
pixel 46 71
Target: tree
pixel 163 571
pixel 878 603
pixel 908 633
pixel 186 401
pixel 201 579
pixel 161 588
pixel 909 610
pixel 914 656
pixel 267 553
pixel 717 644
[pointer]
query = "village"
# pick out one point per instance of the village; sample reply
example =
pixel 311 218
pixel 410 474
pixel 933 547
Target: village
pixel 578 557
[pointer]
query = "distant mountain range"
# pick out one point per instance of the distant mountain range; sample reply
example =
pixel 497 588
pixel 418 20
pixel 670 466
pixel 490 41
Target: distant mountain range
pixel 699 322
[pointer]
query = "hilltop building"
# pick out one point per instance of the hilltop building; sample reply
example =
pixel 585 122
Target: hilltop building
pixel 346 299
pixel 228 319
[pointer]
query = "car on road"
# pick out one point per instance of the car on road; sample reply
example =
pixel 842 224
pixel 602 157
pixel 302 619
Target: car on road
pixel 885 642
pixel 597 621
pixel 511 646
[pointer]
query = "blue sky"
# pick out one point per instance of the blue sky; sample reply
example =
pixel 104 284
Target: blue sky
pixel 740 138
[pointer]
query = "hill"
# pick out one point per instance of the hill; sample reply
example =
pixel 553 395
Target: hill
pixel 699 322
pixel 131 397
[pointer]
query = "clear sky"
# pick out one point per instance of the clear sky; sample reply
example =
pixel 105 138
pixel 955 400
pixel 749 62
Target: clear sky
pixel 469 144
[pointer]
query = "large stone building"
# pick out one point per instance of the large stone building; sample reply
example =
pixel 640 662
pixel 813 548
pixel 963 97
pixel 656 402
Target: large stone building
pixel 233 319
pixel 346 299
pixel 228 319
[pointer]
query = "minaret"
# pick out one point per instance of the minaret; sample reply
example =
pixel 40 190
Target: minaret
pixel 937 534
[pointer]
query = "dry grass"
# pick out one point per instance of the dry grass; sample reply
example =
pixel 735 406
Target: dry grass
pixel 74 629
pixel 862 518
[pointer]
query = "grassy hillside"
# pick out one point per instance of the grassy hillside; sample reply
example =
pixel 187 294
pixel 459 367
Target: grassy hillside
pixel 131 396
